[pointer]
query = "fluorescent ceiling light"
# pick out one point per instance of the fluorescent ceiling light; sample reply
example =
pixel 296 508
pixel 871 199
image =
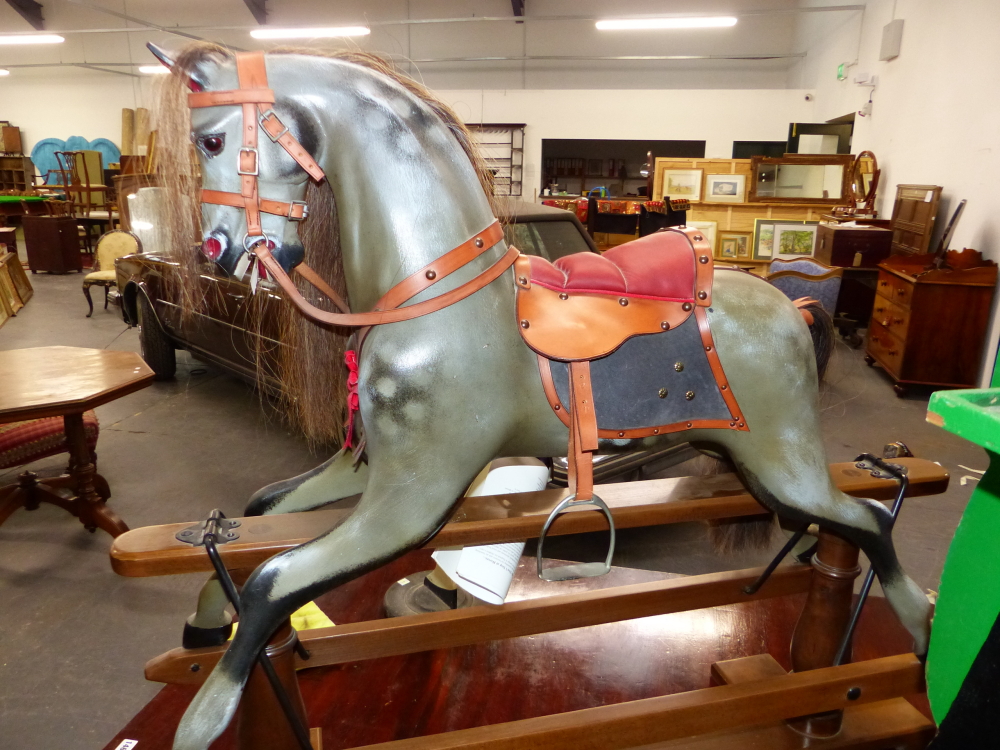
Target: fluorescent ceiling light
pixel 4 72
pixel 154 70
pixel 708 22
pixel 31 39
pixel 310 33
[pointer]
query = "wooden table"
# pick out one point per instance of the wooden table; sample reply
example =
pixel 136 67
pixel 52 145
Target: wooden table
pixel 66 381
pixel 413 695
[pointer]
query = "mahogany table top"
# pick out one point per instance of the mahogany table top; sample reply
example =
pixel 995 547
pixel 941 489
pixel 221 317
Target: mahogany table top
pixel 50 381
pixel 391 698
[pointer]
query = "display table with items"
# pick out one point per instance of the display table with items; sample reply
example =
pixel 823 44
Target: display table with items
pixel 929 325
pixel 64 381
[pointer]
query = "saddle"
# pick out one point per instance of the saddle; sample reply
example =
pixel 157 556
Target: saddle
pixel 584 307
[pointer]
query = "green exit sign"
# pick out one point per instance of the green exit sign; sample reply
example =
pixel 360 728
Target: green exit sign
pixel 841 71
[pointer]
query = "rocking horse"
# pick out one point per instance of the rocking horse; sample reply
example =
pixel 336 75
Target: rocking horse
pixel 470 351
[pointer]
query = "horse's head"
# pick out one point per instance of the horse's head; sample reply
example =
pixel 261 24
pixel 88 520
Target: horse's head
pixel 255 156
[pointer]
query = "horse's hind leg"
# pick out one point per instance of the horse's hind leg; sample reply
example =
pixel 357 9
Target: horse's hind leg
pixel 790 476
pixel 333 480
pixel 396 513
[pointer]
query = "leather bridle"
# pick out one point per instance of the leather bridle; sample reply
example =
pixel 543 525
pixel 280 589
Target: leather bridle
pixel 254 96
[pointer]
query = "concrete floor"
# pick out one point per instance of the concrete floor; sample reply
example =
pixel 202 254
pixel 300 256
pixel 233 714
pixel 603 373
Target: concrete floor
pixel 74 636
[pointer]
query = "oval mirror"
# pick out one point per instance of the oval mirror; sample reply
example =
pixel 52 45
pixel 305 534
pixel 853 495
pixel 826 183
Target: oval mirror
pixel 864 179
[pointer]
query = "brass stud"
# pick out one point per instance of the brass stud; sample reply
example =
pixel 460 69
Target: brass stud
pixel 732 424
pixel 656 430
pixel 703 259
pixel 525 324
pixel 431 275
pixel 702 295
pixel 679 366
pixel 563 296
pixel 522 280
pixel 725 387
pixel 689 395
pixel 689 425
pixel 623 301
pixel 479 241
pixel 663 393
pixel 708 348
pixel 621 434
pixel 686 307
pixel 665 325
pixel 697 238
pixel 558 407
pixel 741 424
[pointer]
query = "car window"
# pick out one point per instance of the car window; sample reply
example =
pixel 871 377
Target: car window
pixel 549 239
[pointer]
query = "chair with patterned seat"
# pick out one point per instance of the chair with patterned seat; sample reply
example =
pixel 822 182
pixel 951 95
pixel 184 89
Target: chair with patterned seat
pixel 24 442
pixel 110 247
pixel 806 277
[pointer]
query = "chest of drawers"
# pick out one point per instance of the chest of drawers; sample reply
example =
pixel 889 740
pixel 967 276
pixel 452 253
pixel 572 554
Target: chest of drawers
pixel 929 326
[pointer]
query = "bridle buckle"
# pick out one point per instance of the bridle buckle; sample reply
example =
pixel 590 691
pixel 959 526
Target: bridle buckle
pixel 255 171
pixel 301 215
pixel 269 116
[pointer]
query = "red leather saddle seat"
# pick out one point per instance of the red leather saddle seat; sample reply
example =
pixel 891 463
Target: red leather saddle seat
pixel 659 266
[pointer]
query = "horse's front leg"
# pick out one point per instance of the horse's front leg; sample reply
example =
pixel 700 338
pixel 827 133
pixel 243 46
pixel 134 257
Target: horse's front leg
pixel 332 480
pixel 409 495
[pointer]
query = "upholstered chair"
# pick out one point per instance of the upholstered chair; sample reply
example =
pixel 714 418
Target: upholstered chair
pixel 111 246
pixel 805 277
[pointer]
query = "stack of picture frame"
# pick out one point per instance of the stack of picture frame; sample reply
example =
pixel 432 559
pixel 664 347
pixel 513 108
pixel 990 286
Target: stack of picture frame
pixel 15 289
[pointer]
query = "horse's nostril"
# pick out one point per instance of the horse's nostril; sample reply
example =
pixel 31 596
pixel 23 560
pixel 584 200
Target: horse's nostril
pixel 212 248
pixel 270 245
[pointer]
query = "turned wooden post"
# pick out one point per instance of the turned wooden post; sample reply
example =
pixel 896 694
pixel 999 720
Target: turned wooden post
pixel 261 724
pixel 824 620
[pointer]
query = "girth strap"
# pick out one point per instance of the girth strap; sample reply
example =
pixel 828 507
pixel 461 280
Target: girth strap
pixel 582 432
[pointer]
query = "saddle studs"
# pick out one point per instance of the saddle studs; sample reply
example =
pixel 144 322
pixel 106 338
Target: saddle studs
pixel 703 295
pixel 623 301
pixel 732 424
pixel 557 407
pixel 725 387
pixel 621 434
pixel 686 307
pixel 703 259
pixel 665 325
pixel 479 241
pixel 663 393
pixel 689 395
pixel 689 425
pixel 698 238
pixel 525 324
pixel 708 348
pixel 522 280
pixel 431 275
pixel 656 430
pixel 563 296
pixel 679 366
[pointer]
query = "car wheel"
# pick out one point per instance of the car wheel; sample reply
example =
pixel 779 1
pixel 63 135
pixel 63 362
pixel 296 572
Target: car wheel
pixel 156 348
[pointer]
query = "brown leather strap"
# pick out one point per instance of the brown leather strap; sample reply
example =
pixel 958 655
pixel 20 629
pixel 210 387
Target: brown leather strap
pixel 230 97
pixel 320 283
pixel 252 74
pixel 381 317
pixel 583 431
pixel 447 264
pixel 294 211
pixel 281 135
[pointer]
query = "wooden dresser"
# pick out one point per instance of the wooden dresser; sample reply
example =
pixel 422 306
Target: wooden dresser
pixel 928 326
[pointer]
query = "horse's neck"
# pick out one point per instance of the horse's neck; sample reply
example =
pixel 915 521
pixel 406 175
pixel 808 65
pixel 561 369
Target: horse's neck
pixel 406 194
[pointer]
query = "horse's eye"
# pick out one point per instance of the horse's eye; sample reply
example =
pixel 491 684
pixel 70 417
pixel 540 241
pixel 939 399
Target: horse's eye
pixel 212 144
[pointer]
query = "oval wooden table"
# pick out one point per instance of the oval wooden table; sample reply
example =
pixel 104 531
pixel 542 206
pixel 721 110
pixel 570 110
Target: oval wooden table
pixel 66 381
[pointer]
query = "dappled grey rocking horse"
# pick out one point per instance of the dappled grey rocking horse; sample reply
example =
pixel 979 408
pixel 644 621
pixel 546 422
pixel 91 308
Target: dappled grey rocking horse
pixel 475 352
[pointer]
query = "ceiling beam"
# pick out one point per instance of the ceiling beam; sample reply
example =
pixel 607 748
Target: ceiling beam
pixel 259 10
pixel 30 11
pixel 518 7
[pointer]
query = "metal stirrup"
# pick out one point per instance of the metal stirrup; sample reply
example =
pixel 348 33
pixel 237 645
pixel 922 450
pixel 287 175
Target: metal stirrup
pixel 577 570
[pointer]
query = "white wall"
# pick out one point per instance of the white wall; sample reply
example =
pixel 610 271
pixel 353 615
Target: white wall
pixel 936 113
pixel 717 117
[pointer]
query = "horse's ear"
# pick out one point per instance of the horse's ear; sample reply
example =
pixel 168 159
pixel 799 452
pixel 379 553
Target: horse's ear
pixel 195 81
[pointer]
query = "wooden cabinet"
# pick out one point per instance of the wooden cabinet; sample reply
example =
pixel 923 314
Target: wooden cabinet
pixel 914 213
pixel 52 244
pixel 852 247
pixel 929 326
pixel 16 173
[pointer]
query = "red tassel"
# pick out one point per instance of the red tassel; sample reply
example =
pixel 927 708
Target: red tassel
pixel 351 360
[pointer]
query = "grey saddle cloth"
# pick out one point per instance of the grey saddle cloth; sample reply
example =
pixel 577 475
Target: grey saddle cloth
pixel 628 383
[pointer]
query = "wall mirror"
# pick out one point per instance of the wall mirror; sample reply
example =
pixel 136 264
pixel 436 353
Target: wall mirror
pixel 820 179
pixel 864 180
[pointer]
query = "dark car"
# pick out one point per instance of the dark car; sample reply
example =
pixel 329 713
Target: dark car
pixel 223 334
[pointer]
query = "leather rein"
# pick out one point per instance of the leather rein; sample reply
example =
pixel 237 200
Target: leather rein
pixel 253 96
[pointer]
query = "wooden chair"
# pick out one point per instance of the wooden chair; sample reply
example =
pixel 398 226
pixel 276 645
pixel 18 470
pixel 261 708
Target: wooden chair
pixel 110 247
pixel 805 277
pixel 85 195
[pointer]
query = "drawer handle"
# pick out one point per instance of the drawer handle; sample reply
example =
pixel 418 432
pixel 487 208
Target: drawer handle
pixel 879 309
pixel 898 321
pixel 883 283
pixel 893 352
pixel 900 292
pixel 886 322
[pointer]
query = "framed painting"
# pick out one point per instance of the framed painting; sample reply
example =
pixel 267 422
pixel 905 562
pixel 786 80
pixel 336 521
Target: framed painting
pixel 708 229
pixel 735 245
pixel 795 239
pixel 763 239
pixel 21 284
pixel 10 297
pixel 682 183
pixel 725 188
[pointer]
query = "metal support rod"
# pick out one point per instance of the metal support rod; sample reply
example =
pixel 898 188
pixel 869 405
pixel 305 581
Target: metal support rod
pixel 754 587
pixel 301 733
pixel 895 472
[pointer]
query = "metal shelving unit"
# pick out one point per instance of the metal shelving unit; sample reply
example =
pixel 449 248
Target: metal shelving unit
pixel 502 146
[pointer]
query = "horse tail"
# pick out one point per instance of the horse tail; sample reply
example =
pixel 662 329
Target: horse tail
pixel 823 336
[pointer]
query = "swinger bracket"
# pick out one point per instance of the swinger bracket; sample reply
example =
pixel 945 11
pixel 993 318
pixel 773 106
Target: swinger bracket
pixel 217 527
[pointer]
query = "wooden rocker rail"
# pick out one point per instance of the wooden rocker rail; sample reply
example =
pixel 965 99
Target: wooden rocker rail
pixel 154 551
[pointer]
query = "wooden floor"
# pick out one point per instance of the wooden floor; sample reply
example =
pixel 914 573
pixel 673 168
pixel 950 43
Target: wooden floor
pixel 392 698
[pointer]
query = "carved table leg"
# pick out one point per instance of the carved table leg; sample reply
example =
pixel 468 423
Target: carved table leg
pixel 261 724
pixel 91 509
pixel 824 620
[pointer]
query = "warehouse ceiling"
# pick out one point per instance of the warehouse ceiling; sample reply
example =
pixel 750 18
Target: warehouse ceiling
pixel 447 43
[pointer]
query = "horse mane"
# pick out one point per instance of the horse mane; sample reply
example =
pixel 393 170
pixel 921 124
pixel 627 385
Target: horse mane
pixel 309 357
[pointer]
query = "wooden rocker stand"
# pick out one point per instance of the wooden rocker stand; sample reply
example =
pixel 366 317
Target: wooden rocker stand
pixel 749 697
